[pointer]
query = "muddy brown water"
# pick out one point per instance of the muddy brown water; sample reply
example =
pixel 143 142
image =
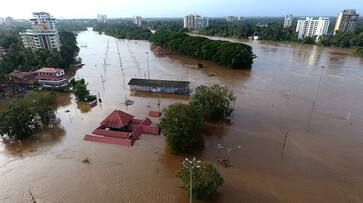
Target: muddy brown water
pixel 321 162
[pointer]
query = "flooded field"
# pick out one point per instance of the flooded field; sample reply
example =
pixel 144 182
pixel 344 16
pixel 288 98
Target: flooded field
pixel 321 161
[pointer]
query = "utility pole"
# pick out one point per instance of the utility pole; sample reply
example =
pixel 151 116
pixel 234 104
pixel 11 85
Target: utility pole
pixel 148 66
pixel 191 164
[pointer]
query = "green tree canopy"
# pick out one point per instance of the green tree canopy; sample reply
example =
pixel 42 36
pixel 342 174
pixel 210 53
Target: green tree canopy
pixel 24 115
pixel 206 180
pixel 80 90
pixel 234 55
pixel 213 102
pixel 182 127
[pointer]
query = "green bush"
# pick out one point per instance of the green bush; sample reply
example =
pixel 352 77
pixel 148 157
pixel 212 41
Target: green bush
pixel 205 179
pixel 213 102
pixel 182 127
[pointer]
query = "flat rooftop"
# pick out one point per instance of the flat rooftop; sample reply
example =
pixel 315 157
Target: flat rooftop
pixel 159 83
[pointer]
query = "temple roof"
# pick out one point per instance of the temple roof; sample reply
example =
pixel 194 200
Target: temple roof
pixel 117 119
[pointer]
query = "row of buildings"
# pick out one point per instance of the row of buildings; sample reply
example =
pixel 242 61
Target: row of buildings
pixel 347 21
pixel 43 33
pixel 195 22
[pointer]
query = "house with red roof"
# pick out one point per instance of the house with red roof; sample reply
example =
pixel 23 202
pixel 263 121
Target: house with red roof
pixel 51 77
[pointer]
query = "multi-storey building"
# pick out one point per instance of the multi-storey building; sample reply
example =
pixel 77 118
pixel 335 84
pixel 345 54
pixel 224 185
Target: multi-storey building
pixel 288 21
pixel 51 77
pixel 232 18
pixel 347 21
pixel 309 27
pixel 195 22
pixel 101 18
pixel 137 20
pixel 44 33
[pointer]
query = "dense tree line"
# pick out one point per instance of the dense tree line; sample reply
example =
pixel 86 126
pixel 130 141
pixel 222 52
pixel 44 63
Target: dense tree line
pixel 7 38
pixel 272 29
pixel 124 30
pixel 19 57
pixel 166 25
pixel 25 114
pixel 234 55
pixel 75 25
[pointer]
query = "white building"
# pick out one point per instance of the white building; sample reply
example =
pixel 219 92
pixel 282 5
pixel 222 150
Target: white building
pixel 44 33
pixel 101 18
pixel 288 21
pixel 137 20
pixel 312 28
pixel 232 18
pixel 347 21
pixel 195 22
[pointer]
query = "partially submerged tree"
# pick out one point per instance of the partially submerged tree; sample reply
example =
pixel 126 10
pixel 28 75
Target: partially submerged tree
pixel 24 116
pixel 205 180
pixel 182 127
pixel 18 121
pixel 80 90
pixel 213 102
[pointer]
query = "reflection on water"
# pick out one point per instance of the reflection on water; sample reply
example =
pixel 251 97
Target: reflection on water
pixel 321 163
pixel 48 137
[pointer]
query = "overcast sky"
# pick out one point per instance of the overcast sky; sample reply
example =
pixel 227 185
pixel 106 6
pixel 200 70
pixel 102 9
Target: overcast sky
pixel 175 8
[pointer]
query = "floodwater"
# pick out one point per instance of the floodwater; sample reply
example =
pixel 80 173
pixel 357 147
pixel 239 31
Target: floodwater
pixel 321 160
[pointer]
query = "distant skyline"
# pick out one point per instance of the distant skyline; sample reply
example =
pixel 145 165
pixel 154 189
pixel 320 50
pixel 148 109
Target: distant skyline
pixel 22 9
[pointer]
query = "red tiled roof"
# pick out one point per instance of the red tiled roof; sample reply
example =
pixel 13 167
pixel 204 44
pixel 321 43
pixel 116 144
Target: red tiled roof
pixel 49 70
pixel 117 119
pixel 158 49
pixel 155 114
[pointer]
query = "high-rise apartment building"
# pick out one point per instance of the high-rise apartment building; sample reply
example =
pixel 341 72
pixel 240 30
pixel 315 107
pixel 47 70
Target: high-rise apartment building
pixel 101 18
pixel 137 20
pixel 195 22
pixel 288 21
pixel 232 18
pixel 44 33
pixel 347 21
pixel 309 27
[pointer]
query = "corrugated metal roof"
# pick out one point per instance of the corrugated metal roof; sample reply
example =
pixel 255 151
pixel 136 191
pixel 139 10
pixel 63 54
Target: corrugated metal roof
pixel 159 83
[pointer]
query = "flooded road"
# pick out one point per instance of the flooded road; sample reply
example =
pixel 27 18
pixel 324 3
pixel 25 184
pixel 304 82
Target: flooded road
pixel 321 161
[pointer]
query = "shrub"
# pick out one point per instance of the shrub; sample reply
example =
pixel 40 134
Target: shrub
pixel 205 179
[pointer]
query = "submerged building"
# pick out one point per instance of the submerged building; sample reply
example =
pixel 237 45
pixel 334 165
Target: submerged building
pixel 44 33
pixel 159 86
